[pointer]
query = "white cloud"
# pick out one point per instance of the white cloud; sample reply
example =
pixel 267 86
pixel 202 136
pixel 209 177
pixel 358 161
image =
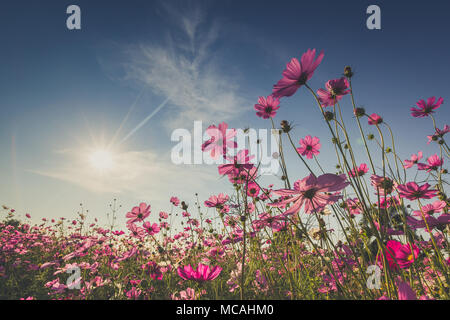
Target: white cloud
pixel 187 70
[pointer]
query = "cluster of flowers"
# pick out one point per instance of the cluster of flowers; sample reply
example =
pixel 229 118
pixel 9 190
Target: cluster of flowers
pixel 312 239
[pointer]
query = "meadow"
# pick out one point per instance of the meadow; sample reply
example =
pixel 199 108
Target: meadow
pixel 373 230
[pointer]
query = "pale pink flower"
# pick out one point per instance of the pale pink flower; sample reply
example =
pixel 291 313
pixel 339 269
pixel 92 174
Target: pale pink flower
pixel 413 160
pixel 313 193
pixel 221 138
pixel 138 214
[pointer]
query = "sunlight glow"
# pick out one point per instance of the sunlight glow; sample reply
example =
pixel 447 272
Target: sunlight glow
pixel 102 160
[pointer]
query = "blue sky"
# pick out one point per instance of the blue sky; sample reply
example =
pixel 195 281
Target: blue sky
pixel 65 93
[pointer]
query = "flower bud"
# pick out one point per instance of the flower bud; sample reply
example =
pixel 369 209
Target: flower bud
pixel 359 112
pixel 348 72
pixel 329 115
pixel 286 126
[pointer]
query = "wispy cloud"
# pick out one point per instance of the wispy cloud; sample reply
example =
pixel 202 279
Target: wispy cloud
pixel 140 174
pixel 187 69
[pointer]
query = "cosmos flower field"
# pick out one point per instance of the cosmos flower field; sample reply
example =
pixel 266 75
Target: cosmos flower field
pixel 373 230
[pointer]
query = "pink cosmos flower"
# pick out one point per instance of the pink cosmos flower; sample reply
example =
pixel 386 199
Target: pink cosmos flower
pixel 241 176
pixel 360 171
pixel 153 270
pixel 217 201
pixel 387 202
pixel 313 193
pixel 175 201
pixel 266 107
pixel 405 292
pixel 432 222
pixel 400 254
pixel 138 213
pixel 434 163
pixel 253 189
pixel 432 208
pixel 413 160
pixel 439 134
pixel 375 119
pixel 413 191
pixel 221 139
pixel 202 273
pixel 151 229
pixel 136 231
pixel 336 89
pixel 353 206
pixel 383 184
pixel 426 108
pixel 309 146
pixel 297 74
pixel 163 215
pixel 238 163
pixel 188 294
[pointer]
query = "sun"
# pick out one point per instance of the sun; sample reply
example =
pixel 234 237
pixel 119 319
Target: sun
pixel 102 160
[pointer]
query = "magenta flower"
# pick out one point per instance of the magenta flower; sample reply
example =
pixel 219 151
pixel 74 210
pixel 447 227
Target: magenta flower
pixel 353 206
pixel 426 108
pixel 434 163
pixel 405 292
pixel 375 119
pixel 163 215
pixel 253 189
pixel 360 171
pixel 382 183
pixel 151 229
pixel 309 146
pixel 136 231
pixel 413 160
pixel 175 201
pixel 400 255
pixel 413 191
pixel 313 193
pixel 221 139
pixel 138 213
pixel 432 222
pixel 217 201
pixel 432 208
pixel 266 107
pixel 238 163
pixel 439 134
pixel 202 273
pixel 335 90
pixel 297 74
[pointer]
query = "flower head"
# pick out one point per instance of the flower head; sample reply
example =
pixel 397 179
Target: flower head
pixel 221 139
pixel 266 107
pixel 138 213
pixel 400 255
pixel 433 163
pixel 424 109
pixel 413 160
pixel 413 191
pixel 359 171
pixel 297 74
pixel 202 273
pixel 375 119
pixel 314 193
pixel 309 146
pixel 335 90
